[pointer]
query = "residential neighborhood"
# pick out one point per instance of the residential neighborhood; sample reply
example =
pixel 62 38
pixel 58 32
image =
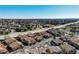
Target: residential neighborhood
pixel 54 40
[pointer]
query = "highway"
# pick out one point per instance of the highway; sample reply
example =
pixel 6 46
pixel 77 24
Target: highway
pixel 15 34
pixel 61 26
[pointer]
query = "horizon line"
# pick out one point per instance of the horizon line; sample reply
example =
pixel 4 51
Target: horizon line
pixel 39 18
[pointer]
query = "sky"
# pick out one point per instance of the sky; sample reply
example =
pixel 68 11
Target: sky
pixel 39 11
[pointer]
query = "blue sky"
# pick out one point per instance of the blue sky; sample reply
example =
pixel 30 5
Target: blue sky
pixel 39 11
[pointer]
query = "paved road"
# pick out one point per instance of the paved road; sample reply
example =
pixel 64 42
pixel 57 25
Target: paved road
pixel 44 29
pixel 61 26
pixel 15 34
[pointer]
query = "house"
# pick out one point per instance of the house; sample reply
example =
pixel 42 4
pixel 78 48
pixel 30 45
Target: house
pixel 33 51
pixel 54 32
pixel 74 42
pixel 42 50
pixel 46 35
pixel 56 42
pixel 54 50
pixel 39 38
pixel 2 49
pixel 25 39
pixel 14 46
pixel 9 40
pixel 67 49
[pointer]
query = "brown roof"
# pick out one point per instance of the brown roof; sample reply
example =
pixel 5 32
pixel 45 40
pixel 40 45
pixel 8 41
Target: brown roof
pixel 32 40
pixel 54 50
pixel 31 35
pixel 68 48
pixel 56 41
pixel 34 51
pixel 74 42
pixel 46 35
pixel 37 50
pixel 38 38
pixel 14 46
pixel 38 34
pixel 2 48
pixel 22 36
pixel 9 40
pixel 42 50
pixel 27 39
